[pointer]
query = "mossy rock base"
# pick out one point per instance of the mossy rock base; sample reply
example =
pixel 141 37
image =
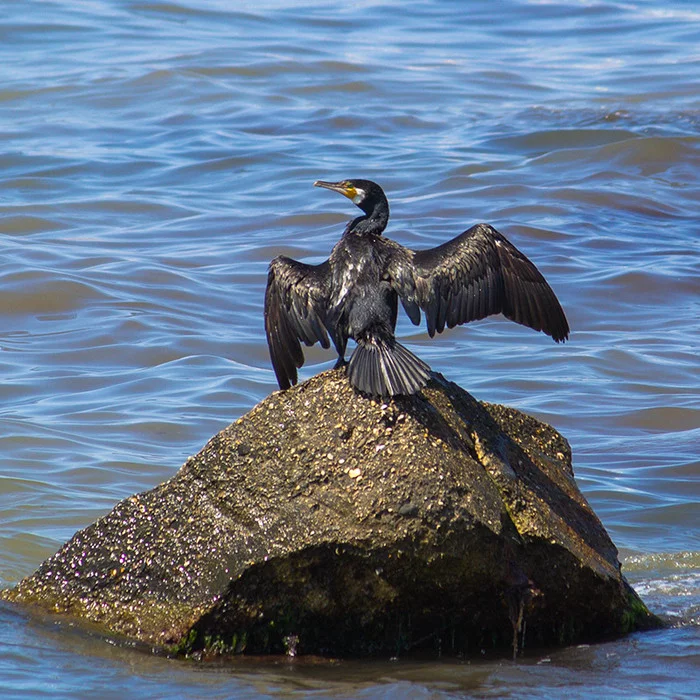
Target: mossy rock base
pixel 324 522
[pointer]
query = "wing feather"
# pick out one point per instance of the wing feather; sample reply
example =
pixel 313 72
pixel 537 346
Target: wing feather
pixel 295 303
pixel 474 275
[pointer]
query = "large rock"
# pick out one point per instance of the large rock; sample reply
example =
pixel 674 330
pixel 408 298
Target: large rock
pixel 324 522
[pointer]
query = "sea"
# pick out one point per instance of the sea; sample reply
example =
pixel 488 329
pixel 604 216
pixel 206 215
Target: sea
pixel 155 155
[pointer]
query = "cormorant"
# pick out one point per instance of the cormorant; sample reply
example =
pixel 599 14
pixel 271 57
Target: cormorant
pixel 354 294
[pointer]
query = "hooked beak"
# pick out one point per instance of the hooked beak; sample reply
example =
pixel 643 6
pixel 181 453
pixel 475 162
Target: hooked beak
pixel 342 187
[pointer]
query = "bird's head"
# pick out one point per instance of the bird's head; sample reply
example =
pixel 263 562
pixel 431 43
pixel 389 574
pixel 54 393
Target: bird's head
pixel 367 195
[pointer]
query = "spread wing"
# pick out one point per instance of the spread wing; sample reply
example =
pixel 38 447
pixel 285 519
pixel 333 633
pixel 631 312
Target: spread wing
pixel 477 274
pixel 295 303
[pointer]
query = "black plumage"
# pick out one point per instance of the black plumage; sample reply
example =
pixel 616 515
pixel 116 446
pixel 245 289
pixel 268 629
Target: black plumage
pixel 354 294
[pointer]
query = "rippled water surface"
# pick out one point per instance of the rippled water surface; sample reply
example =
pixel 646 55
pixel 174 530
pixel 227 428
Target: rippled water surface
pixel 154 157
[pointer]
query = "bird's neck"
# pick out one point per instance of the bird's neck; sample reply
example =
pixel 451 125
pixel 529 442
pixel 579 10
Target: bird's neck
pixel 369 224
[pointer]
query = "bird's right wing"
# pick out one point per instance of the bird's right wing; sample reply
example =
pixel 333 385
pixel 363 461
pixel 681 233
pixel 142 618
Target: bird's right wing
pixel 474 275
pixel 295 301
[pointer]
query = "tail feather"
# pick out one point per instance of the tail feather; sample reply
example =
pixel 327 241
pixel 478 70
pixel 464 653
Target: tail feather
pixel 386 368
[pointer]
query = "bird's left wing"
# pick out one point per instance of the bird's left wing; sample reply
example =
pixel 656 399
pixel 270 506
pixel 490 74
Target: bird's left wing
pixel 295 301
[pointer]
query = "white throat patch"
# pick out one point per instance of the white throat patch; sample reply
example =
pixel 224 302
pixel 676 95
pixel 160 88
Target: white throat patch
pixel 359 195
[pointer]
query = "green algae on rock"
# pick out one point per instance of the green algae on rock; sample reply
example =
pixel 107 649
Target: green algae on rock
pixel 324 522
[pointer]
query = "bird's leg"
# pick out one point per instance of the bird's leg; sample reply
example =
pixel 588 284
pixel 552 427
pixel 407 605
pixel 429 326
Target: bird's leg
pixel 342 362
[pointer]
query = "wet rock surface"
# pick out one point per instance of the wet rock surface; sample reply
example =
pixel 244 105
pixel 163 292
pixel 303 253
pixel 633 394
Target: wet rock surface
pixel 324 522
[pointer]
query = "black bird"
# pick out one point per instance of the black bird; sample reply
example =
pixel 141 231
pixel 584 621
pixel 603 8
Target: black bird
pixel 354 294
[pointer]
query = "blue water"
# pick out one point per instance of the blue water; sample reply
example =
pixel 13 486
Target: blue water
pixel 156 155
